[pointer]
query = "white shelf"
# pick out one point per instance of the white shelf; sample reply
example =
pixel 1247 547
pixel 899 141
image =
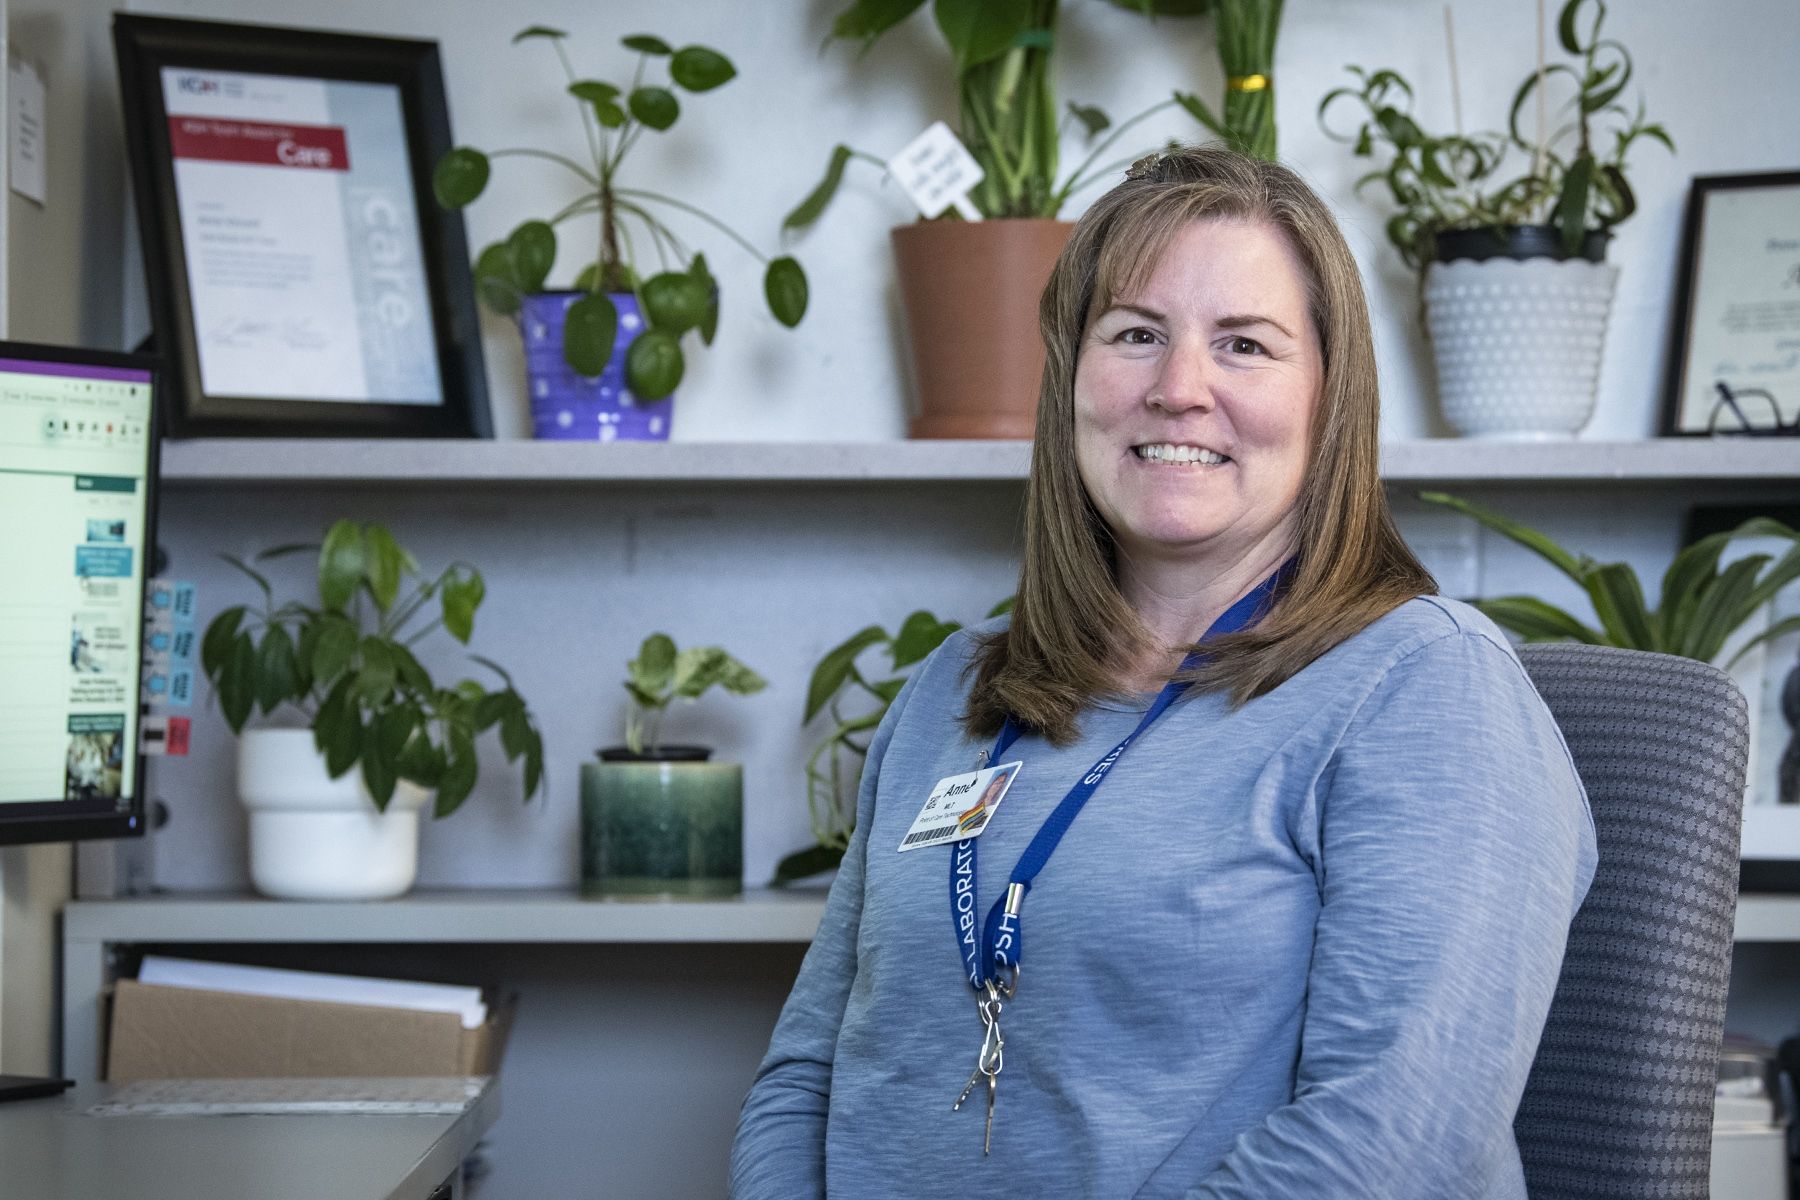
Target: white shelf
pixel 759 915
pixel 1767 918
pixel 210 462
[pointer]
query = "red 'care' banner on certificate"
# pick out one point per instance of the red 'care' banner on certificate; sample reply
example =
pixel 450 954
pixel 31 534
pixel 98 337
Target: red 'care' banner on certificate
pixel 310 147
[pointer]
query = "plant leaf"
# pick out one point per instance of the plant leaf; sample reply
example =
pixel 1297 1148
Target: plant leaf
pixel 655 107
pixel 1618 601
pixel 1572 205
pixel 1197 109
pixel 260 579
pixel 867 20
pixel 343 735
pixel 340 564
pixel 383 562
pixel 375 678
pixel 980 30
pixel 1722 608
pixel 1784 626
pixel 709 320
pixel 784 284
pixel 378 770
pixel 333 649
pixel 645 43
pixel 700 69
pixel 1092 119
pixel 1005 606
pixel 221 634
pixel 461 596
pixel 920 634
pixel 590 329
pixel 408 670
pixel 1575 568
pixel 653 365
pixel 1537 621
pixel 459 773
pixel 537 31
pixel 237 686
pixel 811 208
pixel 531 251
pixel 698 668
pixel 801 864
pixel 277 669
pixel 674 301
pixel 460 177
pixel 494 281
pixel 834 669
pixel 653 670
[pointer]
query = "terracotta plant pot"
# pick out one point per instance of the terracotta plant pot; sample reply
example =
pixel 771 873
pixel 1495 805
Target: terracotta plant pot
pixel 971 294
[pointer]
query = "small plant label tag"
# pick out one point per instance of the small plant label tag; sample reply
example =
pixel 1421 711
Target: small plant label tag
pixel 938 172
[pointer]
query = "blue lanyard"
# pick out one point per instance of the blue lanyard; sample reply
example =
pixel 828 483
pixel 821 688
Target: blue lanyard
pixel 1001 937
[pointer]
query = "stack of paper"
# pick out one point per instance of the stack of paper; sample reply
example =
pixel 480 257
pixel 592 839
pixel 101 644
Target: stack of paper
pixel 465 1002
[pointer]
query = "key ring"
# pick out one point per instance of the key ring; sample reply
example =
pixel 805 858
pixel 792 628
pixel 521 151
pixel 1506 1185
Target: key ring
pixel 1011 984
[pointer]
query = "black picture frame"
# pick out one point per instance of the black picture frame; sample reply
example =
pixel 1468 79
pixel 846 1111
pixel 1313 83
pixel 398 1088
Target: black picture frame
pixel 1675 422
pixel 145 47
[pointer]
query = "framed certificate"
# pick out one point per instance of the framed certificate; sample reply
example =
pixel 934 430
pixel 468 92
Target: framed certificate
pixel 302 281
pixel 1736 361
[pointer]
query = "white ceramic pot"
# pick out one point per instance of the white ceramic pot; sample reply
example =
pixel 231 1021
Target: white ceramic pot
pixel 313 837
pixel 1518 343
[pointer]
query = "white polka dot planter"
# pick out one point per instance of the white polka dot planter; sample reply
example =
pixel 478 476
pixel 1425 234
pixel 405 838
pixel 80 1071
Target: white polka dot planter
pixel 1518 343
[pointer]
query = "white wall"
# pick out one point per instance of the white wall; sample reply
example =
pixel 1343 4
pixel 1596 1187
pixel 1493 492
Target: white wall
pixel 1723 85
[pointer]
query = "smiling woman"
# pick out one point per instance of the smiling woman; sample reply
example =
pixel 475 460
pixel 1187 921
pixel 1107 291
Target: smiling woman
pixel 1303 941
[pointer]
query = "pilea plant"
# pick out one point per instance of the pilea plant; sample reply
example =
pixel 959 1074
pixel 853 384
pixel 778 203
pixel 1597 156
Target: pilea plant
pixel 345 663
pixel 683 295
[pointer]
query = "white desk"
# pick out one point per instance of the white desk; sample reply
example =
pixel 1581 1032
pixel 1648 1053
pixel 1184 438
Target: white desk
pixel 51 1151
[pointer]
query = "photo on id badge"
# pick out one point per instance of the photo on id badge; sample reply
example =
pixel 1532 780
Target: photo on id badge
pixel 971 819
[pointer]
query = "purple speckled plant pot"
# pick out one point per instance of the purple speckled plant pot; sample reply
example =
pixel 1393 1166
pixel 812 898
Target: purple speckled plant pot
pixel 565 406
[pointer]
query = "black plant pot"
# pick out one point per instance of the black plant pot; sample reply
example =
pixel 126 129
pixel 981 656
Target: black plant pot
pixel 662 754
pixel 1516 242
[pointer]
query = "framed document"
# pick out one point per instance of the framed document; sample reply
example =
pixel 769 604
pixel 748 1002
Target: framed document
pixel 302 280
pixel 1736 361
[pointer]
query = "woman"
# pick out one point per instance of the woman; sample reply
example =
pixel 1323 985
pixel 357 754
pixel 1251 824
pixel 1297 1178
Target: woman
pixel 1302 937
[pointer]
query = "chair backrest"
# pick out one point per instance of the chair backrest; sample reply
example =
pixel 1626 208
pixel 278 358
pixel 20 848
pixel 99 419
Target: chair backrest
pixel 1620 1097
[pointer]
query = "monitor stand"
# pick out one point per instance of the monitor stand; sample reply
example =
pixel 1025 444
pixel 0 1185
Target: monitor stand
pixel 30 1087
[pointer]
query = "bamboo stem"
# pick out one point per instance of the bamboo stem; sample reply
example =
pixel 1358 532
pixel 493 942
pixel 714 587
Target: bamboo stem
pixel 1455 84
pixel 1543 116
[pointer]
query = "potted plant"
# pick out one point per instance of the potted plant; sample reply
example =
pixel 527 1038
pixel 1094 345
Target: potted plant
pixel 604 356
pixel 970 288
pixel 1246 119
pixel 834 769
pixel 660 819
pixel 1699 607
pixel 358 734
pixel 1515 287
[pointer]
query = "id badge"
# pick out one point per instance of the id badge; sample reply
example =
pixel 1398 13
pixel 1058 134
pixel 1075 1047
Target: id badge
pixel 960 806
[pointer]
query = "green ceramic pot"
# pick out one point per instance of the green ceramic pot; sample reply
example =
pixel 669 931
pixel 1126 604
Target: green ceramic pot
pixel 666 826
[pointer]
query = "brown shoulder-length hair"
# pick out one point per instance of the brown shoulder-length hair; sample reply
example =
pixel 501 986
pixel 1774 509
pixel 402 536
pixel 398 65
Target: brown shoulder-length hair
pixel 1072 629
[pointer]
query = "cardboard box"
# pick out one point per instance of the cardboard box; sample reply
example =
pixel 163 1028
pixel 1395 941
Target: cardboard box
pixel 182 1033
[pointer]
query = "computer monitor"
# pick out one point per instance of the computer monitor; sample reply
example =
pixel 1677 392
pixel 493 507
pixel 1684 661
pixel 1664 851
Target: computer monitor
pixel 78 459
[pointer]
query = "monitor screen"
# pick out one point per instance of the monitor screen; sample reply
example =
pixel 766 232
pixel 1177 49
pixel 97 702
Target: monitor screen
pixel 77 472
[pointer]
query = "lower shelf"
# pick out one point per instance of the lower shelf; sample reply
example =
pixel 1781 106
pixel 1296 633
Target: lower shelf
pixel 758 915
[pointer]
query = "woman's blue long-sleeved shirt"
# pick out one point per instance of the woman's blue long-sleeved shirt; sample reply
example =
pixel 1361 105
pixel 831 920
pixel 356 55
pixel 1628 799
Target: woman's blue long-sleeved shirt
pixel 1302 948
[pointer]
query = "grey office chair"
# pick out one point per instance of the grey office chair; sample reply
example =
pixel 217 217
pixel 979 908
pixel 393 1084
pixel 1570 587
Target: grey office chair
pixel 1619 1102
